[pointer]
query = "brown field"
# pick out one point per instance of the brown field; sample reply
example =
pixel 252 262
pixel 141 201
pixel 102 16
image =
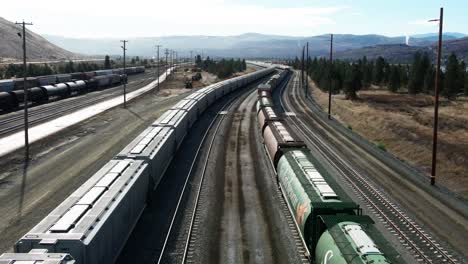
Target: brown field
pixel 404 123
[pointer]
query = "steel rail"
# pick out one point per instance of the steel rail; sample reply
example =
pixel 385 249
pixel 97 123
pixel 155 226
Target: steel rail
pixel 441 254
pixel 227 105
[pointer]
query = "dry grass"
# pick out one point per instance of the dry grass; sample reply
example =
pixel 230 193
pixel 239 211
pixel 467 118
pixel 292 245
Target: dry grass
pixel 404 124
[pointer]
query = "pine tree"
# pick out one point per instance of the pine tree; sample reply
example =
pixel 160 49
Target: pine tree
pixel 107 64
pixel 379 70
pixel 394 79
pixel 451 82
pixel 366 70
pixel 352 82
pixel 466 83
pixel 418 70
pixel 429 80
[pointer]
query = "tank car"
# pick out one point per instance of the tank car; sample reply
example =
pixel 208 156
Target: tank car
pixel 312 193
pixel 7 101
pixel 266 114
pixel 347 239
pixel 279 139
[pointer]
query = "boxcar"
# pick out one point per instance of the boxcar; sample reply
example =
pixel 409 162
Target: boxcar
pixel 93 224
pixel 7 85
pixel 36 256
pixel 200 99
pixel 190 107
pixel 177 120
pixel 47 80
pixel 156 146
pixel 62 78
pixel 30 82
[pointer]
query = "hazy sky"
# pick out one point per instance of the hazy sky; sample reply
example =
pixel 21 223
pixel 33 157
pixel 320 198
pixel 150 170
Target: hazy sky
pixel 139 18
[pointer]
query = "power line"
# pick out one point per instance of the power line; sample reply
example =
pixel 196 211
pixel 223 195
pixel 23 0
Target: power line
pixel 25 89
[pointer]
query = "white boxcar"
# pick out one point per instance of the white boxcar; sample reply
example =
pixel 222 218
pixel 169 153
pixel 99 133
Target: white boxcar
pixel 36 256
pixel 176 119
pixel 210 93
pixel 190 107
pixel 156 146
pixel 94 223
pixel 201 100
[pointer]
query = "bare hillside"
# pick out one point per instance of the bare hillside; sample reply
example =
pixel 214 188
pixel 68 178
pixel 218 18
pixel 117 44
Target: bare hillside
pixel 38 48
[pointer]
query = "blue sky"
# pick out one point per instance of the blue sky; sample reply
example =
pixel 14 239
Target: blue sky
pixel 139 18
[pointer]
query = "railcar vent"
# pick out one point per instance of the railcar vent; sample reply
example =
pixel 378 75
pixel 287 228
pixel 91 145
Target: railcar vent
pixel 314 176
pixel 364 243
pixel 169 117
pixel 146 140
pixel 270 112
pixel 283 132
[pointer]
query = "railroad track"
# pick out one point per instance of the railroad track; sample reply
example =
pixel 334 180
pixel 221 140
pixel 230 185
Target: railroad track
pixel 14 123
pixel 424 248
pixel 187 255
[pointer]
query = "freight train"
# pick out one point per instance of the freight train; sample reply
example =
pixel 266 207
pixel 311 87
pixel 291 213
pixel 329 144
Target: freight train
pixel 44 88
pixel 93 224
pixel 332 226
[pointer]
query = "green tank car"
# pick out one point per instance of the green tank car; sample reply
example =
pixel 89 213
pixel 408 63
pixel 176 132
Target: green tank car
pixel 311 193
pixel 348 240
pixel 333 227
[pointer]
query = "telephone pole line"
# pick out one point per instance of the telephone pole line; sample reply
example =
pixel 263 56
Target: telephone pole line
pixel 157 59
pixel 436 107
pixel 25 90
pixel 307 71
pixel 302 67
pixel 125 81
pixel 331 82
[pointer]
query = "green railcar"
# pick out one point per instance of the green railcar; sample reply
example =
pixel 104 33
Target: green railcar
pixel 311 192
pixel 352 240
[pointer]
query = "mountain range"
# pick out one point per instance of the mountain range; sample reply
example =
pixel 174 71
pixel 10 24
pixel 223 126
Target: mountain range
pixel 254 45
pixel 249 45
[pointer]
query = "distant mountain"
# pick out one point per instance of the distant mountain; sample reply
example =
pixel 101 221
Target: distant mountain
pixel 37 47
pixel 401 53
pixel 250 45
pixel 431 35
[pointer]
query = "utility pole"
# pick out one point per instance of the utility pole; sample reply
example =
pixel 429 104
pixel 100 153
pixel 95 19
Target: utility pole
pixel 307 71
pixel 157 46
pixel 125 81
pixel 436 106
pixel 167 53
pixel 331 82
pixel 25 90
pixel 302 67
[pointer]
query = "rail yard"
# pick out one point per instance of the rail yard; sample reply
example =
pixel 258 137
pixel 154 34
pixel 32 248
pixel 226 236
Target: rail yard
pixel 242 171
